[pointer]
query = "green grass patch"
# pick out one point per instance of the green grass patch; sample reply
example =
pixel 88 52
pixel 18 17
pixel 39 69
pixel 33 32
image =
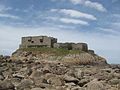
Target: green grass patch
pixel 56 51
pixel 76 51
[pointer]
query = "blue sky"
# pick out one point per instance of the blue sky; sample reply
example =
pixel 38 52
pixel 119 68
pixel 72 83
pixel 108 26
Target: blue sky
pixel 96 22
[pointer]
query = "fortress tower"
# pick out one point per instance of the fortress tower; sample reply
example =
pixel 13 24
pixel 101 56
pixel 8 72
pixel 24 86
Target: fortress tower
pixel 50 42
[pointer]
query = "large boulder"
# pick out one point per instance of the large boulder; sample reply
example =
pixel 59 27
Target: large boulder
pixel 78 73
pixel 69 79
pixel 55 81
pixel 83 82
pixel 35 74
pixel 39 80
pixel 95 85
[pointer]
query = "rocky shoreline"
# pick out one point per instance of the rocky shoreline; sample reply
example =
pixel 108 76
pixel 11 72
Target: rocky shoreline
pixel 30 75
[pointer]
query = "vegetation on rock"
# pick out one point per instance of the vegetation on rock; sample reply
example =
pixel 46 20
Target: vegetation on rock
pixel 56 51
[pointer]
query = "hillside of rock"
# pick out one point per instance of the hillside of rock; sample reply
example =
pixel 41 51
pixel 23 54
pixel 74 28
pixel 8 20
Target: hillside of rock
pixel 58 55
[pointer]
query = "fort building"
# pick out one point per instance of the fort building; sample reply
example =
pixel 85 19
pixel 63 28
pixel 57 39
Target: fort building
pixel 72 46
pixel 50 42
pixel 37 41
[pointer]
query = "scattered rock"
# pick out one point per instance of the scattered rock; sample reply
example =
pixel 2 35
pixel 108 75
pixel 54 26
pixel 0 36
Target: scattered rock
pixel 18 75
pixel 83 82
pixel 78 73
pixel 69 79
pixel 114 81
pixel 25 83
pixel 6 84
pixel 55 81
pixel 39 80
pixel 44 75
pixel 15 81
pixel 35 74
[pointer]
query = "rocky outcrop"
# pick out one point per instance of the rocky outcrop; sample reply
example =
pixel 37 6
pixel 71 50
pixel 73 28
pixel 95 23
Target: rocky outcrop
pixel 76 57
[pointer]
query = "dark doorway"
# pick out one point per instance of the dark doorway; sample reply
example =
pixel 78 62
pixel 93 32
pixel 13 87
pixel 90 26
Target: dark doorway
pixel 41 40
pixel 69 47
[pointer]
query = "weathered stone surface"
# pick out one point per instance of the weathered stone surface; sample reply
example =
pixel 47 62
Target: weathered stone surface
pixel 55 88
pixel 7 74
pixel 114 81
pixel 18 75
pixel 76 88
pixel 119 86
pixel 55 81
pixel 35 74
pixel 6 85
pixel 59 70
pixel 70 79
pixel 83 82
pixel 1 77
pixel 44 85
pixel 37 89
pixel 46 75
pixel 25 83
pixel 78 73
pixel 40 80
pixel 117 75
pixel 95 85
pixel 15 81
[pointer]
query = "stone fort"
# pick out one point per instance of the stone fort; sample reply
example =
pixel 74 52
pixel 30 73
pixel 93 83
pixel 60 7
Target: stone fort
pixel 50 42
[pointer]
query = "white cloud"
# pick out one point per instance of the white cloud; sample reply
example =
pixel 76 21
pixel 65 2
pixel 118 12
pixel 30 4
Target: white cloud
pixel 9 16
pixel 117 24
pixel 30 9
pixel 73 21
pixel 65 26
pixel 74 13
pixel 4 8
pixel 68 20
pixel 91 4
pixel 77 1
pixel 95 5
pixel 116 15
pixel 108 30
